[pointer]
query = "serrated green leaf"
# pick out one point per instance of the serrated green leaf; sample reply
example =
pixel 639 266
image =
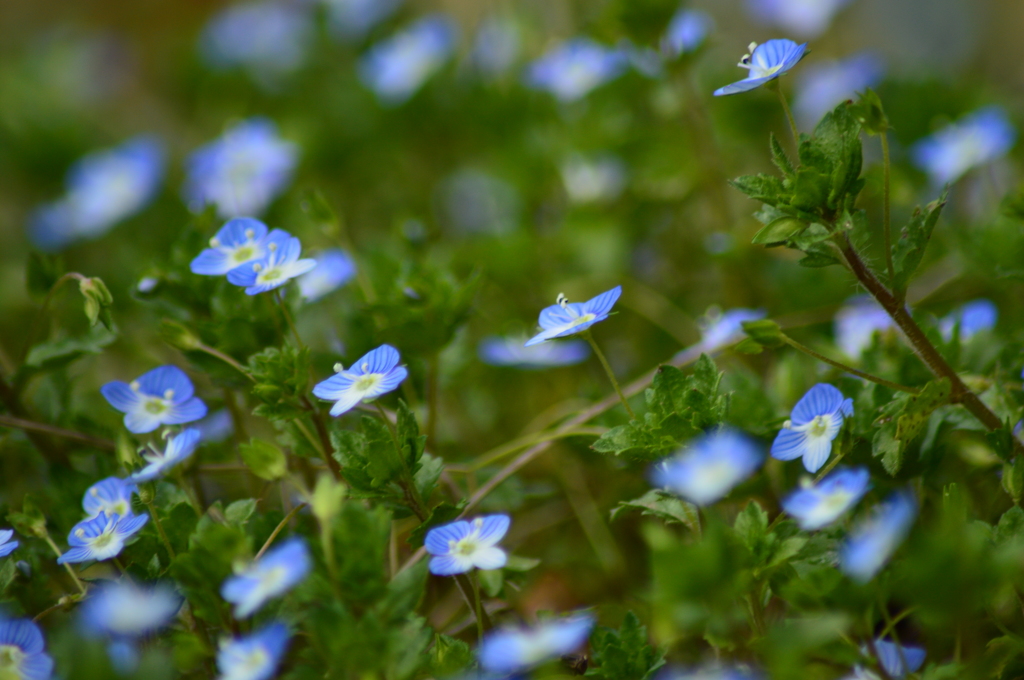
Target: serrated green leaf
pixel 909 249
pixel 764 188
pixel 919 407
pixel 624 654
pixel 779 156
pixel 779 231
pixel 263 459
pixel 664 506
pixel 764 332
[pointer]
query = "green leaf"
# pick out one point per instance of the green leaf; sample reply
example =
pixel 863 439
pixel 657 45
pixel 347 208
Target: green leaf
pixel 919 408
pixel 491 581
pixel 869 112
pixel 8 571
pixel 409 436
pixel 42 272
pixel 751 526
pixel 884 445
pixel 764 188
pixel 239 512
pixel 281 380
pixel 97 301
pixel 664 506
pixel 1013 478
pixel 425 479
pixel 764 332
pixel 48 356
pixel 263 459
pixel 811 190
pixel 624 654
pixel 779 231
pixel 813 235
pixel 450 656
pixel 779 157
pixel 909 249
pixel 30 521
pixel 442 513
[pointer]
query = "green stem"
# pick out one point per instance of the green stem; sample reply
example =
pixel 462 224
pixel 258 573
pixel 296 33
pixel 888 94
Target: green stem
pixel 189 492
pixel 230 361
pixel 160 528
pixel 785 107
pixel 608 369
pixel 757 610
pixel 42 310
pixel 477 607
pixel 56 550
pixel 279 299
pixel 849 369
pixel 886 223
pixel 33 426
pixel 280 526
pixel 408 483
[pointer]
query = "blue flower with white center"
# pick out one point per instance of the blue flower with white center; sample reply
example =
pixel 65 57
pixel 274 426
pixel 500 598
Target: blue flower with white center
pixel 253 657
pixel 568 318
pixel 179 448
pixel 112 495
pixel 7 546
pixel 570 71
pixel 803 18
pixel 240 241
pixel 280 265
pixel 874 539
pixel 334 268
pixel 708 468
pixel 376 373
pixel 976 139
pixel 272 575
pixel 972 318
pixel 509 650
pixel 817 505
pixel 163 396
pixel 496 46
pixel 397 68
pixel 268 38
pixel 856 324
pixel 23 651
pixel 719 328
pixel 242 172
pixel 101 537
pixel 765 62
pixel 686 32
pixel 461 546
pixel 823 85
pixel 124 609
pixel 510 351
pixel 352 19
pixel 814 423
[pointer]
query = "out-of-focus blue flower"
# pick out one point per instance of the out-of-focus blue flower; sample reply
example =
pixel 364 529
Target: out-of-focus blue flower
pixel 574 68
pixel 898 660
pixel 215 427
pixel 976 139
pixel 461 546
pixel 103 189
pixel 814 423
pixel 163 396
pixel 101 537
pixel 397 67
pixel 712 672
pixel 686 32
pixel 267 38
pixel 280 265
pixel 972 318
pixel 514 649
pixel 272 575
pixel 593 180
pixel 352 19
pixel 874 539
pixel 242 172
pixel 123 609
pixel 496 46
pixel 474 202
pixel 498 351
pixel 376 373
pixel 112 495
pixel 241 240
pixel 179 448
pixel 824 84
pixel 818 505
pixel 334 268
pixel 707 468
pixel 765 62
pixel 24 654
pixel 568 318
pixel 718 328
pixel 856 324
pixel 254 657
pixel 7 546
pixel 124 656
pixel 802 18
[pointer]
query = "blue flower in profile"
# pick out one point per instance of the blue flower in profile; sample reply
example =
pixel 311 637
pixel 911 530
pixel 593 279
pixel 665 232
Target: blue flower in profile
pixel 976 139
pixel 112 495
pixel 268 38
pixel 163 396
pixel 255 656
pixel 397 67
pixel 374 374
pixel 823 85
pixel 718 328
pixel 571 70
pixel 101 537
pixel 814 423
pixel 23 651
pixel 817 505
pixel 241 240
pixel 352 19
pixel 686 32
pixel 765 62
pixel 874 539
pixel 272 575
pixel 509 650
pixel 7 546
pixel 708 468
pixel 334 268
pixel 124 609
pixel 461 546
pixel 498 351
pixel 971 318
pixel 568 318
pixel 898 660
pixel 804 18
pixel 280 265
pixel 496 46
pixel 179 448
pixel 857 322
pixel 242 172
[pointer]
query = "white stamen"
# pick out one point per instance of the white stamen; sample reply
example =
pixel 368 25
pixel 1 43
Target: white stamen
pixel 134 385
pixel 94 491
pixel 272 247
pixel 478 522
pixel 257 267
pixel 80 532
pixel 788 425
pixel 249 233
pixel 561 300
pixel 168 394
pixel 338 368
pixel 215 242
pixel 365 366
pixel 751 47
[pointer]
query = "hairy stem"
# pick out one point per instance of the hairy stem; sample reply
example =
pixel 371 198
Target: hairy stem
pixel 886 223
pixel 160 528
pixel 785 107
pixel 56 550
pixel 33 426
pixel 608 369
pixel 860 374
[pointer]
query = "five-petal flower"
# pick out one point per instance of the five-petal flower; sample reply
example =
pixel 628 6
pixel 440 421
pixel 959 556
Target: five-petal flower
pixel 568 318
pixel 22 651
pixel 509 351
pixel 818 505
pixel 976 139
pixel 814 423
pixel 124 609
pixel 765 62
pixel 874 539
pixel 163 396
pixel 240 241
pixel 509 650
pixel 179 448
pixel 101 537
pixel 397 67
pixel 280 265
pixel 376 373
pixel 254 657
pixel 460 546
pixel 571 70
pixel 709 467
pixel 112 495
pixel 273 574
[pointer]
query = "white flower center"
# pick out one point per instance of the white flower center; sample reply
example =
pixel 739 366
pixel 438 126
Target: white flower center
pixel 11 657
pixel 836 501
pixel 270 274
pixel 583 319
pixel 368 382
pixel 156 405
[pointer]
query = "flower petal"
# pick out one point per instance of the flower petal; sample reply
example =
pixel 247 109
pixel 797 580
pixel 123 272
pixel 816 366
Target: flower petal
pixel 822 399
pixel 163 378
pixel 186 412
pixel 788 445
pixel 346 402
pixel 141 421
pixel 494 528
pixel 489 558
pixel 449 565
pixel 120 395
pixel 380 360
pixel 335 387
pixel 603 303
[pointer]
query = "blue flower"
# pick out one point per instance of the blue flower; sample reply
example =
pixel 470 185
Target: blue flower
pixel 816 506
pixel 376 373
pixel 112 495
pixel 334 268
pixel 898 660
pixel 267 38
pixel 101 537
pixel 242 172
pixel 352 19
pixel 804 18
pixel 280 265
pixel 254 657
pixel 163 396
pixel 712 672
pixel 123 609
pixel 240 241
pixel 397 67
pixel 270 576
pixel 593 180
pixel 706 469
pixel 765 62
pixel 857 322
pixel 511 352
pixel 573 69
pixel 215 427
pixel 814 423
pixel 686 32
pixel 568 318
pixel 975 139
pixel 7 546
pixel 22 654
pixel 718 328
pixel 496 46
pixel 461 546
pixel 874 539
pixel 179 448
pixel 972 318
pixel 509 650
pixel 823 85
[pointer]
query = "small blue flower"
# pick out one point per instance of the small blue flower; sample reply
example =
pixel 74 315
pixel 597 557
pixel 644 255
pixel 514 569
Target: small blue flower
pixel 112 495
pixel 215 427
pixel 718 328
pixel 242 172
pixel 814 423
pixel 272 575
pixel 509 650
pixel 179 448
pixel 163 396
pixel 593 180
pixel 268 38
pixel 857 322
pixel 510 351
pixel 496 46
pixel 874 539
pixel 804 18
pixel 123 609
pixel 975 139
pixel 22 651
pixel 686 32
pixel 101 537
pixel 570 71
pixel 7 546
pixel 816 506
pixel 765 62
pixel 255 656
pixel 240 241
pixel 376 373
pixel 713 672
pixel 280 265
pixel 568 318
pixel 334 268
pixel 898 660
pixel 823 85
pixel 972 318
pixel 707 468
pixel 397 67
pixel 461 546
pixel 352 19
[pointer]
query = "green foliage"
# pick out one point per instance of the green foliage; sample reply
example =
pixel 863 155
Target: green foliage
pixel 663 505
pixel 909 248
pixel 265 460
pixel 903 419
pixel 624 654
pixel 281 379
pixel 768 549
